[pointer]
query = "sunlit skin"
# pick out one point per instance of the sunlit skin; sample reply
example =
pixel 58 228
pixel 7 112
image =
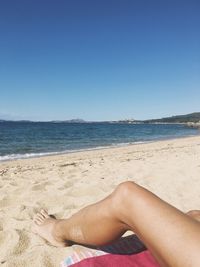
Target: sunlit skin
pixel 172 236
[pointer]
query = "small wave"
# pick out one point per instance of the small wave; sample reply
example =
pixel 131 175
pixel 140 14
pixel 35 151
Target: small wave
pixel 130 143
pixel 24 156
pixel 42 154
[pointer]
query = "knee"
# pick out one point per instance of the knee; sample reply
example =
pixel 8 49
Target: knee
pixel 125 188
pixel 195 214
pixel 123 192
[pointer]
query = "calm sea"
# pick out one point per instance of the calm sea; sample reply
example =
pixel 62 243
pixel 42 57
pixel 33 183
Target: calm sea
pixel 30 139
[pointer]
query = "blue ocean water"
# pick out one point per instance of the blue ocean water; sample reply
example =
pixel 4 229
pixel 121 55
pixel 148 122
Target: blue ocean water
pixel 29 139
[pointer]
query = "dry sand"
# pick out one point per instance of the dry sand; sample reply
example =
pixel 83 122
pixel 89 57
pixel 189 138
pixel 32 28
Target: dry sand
pixel 63 184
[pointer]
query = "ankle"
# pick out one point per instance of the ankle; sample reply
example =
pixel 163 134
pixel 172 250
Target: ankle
pixel 60 231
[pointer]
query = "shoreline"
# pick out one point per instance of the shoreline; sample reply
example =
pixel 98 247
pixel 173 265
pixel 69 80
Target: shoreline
pixel 66 152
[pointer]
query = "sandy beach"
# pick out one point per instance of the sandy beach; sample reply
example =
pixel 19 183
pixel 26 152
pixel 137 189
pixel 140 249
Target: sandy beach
pixel 65 183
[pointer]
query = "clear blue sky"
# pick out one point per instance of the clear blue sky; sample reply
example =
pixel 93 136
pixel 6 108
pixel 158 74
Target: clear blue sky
pixel 99 59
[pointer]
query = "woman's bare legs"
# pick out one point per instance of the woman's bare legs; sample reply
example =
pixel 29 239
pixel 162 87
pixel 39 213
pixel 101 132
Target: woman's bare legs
pixel 95 225
pixel 172 236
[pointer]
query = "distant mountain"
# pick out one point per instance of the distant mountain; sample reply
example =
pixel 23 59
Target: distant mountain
pixel 192 117
pixel 15 120
pixel 57 121
pixel 71 121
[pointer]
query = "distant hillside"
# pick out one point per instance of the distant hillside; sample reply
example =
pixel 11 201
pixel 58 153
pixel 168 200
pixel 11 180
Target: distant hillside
pixel 192 117
pixel 65 121
pixel 71 121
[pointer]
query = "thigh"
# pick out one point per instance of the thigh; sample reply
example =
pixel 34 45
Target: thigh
pixel 171 235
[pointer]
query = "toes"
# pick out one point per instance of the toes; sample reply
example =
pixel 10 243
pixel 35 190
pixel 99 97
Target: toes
pixel 39 217
pixel 44 213
pixel 38 221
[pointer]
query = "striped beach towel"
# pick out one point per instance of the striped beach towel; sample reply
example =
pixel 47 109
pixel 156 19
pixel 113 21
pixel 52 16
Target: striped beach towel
pixel 127 251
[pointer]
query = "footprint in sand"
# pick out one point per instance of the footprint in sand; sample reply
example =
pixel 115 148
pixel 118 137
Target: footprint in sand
pixel 5 178
pixel 5 202
pixel 8 242
pixel 23 242
pixel 47 261
pixel 1 225
pixel 41 186
pixel 13 184
pixel 72 171
pixel 12 243
pixel 82 191
pixel 68 184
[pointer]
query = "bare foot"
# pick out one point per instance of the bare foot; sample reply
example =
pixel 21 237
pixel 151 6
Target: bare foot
pixel 195 214
pixel 44 225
